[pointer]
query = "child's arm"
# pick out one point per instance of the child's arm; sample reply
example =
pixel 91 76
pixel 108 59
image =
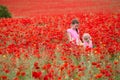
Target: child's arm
pixel 91 45
pixel 79 42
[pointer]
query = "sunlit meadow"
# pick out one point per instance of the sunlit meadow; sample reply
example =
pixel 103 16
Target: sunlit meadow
pixel 38 48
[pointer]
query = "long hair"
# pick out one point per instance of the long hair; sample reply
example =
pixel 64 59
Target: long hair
pixel 75 21
pixel 77 30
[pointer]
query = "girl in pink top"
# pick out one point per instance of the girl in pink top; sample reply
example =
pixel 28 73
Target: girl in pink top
pixel 73 33
pixel 87 42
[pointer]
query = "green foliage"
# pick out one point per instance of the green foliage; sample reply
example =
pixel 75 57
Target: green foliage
pixel 4 13
pixel 117 77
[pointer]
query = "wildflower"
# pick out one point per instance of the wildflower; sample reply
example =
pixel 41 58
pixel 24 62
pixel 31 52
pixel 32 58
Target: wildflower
pixel 36 65
pixel 16 78
pixel 116 62
pixel 47 66
pixel 3 77
pixel 36 74
pixel 94 63
pixel 23 73
pixel 98 75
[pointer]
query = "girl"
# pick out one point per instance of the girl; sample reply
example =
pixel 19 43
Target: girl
pixel 87 42
pixel 73 33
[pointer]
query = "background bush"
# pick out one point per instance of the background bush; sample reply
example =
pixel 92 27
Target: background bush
pixel 4 13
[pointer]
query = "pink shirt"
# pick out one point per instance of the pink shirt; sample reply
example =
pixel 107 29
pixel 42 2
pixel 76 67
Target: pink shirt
pixel 74 35
pixel 86 44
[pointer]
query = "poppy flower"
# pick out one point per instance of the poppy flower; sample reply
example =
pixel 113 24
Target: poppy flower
pixel 36 74
pixel 3 77
pixel 16 78
pixel 23 73
pixel 98 75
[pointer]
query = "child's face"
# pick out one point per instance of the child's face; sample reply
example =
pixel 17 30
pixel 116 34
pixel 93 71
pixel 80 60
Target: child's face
pixel 75 26
pixel 86 38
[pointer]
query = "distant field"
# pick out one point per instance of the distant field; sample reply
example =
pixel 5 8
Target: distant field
pixel 20 8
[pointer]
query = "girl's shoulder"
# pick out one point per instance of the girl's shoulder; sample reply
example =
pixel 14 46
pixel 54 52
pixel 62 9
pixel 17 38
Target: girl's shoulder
pixel 69 30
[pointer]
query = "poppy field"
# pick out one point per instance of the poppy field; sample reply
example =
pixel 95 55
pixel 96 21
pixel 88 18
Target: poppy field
pixel 23 8
pixel 37 48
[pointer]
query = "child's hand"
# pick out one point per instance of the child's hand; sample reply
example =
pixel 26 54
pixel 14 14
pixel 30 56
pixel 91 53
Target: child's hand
pixel 81 44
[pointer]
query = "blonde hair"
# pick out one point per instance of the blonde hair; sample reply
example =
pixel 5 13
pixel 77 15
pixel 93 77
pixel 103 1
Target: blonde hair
pixel 86 37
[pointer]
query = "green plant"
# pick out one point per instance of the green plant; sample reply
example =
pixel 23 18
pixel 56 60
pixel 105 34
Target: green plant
pixel 4 13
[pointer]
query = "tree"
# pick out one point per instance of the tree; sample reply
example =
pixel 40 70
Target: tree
pixel 4 13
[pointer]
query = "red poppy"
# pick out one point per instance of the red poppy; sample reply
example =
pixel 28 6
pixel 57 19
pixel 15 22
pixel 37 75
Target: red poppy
pixel 23 73
pixel 16 78
pixel 47 66
pixel 3 77
pixel 94 63
pixel 36 65
pixel 36 74
pixel 6 71
pixel 116 62
pixel 98 75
